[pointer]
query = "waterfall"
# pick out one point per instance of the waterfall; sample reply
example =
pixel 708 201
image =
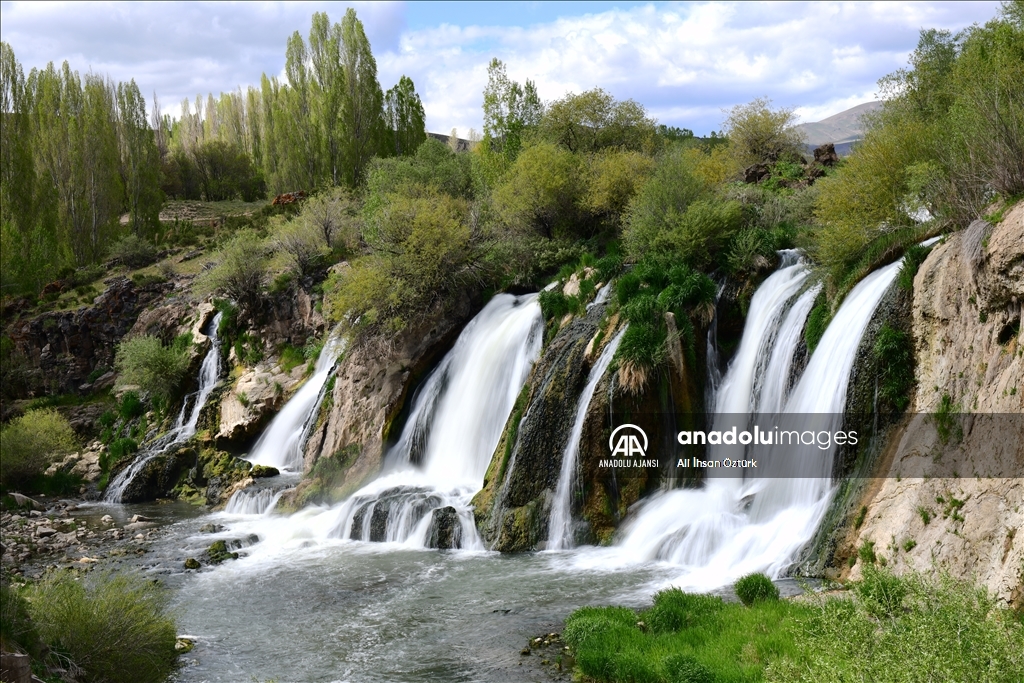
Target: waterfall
pixel 282 442
pixel 733 526
pixel 455 423
pixel 561 525
pixel 253 502
pixel 185 425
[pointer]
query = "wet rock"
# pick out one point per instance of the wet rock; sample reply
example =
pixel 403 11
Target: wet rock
pixel 445 529
pixel 139 526
pixel 262 471
pixel 218 552
pixel 192 563
pixel 211 528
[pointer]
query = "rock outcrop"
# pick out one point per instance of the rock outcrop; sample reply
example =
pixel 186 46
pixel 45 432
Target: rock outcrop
pixel 970 359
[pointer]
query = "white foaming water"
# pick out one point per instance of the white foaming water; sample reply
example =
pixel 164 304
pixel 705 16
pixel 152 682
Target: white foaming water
pixel 775 378
pixel 184 427
pixel 717 534
pixel 442 455
pixel 282 442
pixel 735 394
pixel 249 502
pixel 561 525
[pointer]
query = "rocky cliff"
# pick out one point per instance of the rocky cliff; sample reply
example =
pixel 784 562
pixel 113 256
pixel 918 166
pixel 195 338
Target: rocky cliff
pixel 970 359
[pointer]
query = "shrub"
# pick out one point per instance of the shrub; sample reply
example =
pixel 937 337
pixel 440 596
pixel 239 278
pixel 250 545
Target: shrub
pixel 17 633
pixel 754 588
pixel 912 260
pixel 156 369
pixel 112 629
pixel 240 273
pixel 656 208
pixel 759 134
pixel 129 408
pixel 881 593
pixel 675 610
pixel 894 353
pixel 30 443
pixel 133 251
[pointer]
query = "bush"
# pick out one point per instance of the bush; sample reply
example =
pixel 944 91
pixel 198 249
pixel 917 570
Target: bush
pixel 112 629
pixel 17 633
pixel 241 271
pixel 912 260
pixel 759 134
pixel 156 369
pixel 29 444
pixel 133 251
pixel 655 210
pixel 754 588
pixel 129 408
pixel 894 353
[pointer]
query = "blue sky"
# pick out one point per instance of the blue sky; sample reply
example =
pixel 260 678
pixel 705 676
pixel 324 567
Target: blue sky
pixel 685 61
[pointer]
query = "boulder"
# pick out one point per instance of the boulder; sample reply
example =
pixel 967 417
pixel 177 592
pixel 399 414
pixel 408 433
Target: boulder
pixel 445 529
pixel 825 155
pixel 756 173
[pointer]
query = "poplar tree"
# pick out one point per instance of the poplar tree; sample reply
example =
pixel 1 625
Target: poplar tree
pixel 362 100
pixel 404 116
pixel 509 109
pixel 140 161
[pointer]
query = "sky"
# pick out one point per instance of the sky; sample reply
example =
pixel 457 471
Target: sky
pixel 686 62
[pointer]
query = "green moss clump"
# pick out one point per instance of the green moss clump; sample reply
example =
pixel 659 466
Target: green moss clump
pixel 218 552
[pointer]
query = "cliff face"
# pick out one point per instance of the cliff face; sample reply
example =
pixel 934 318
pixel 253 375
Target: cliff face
pixel 361 413
pixel 970 359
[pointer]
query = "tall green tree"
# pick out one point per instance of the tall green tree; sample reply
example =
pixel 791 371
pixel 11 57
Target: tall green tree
pixel 362 102
pixel 140 161
pixel 509 110
pixel 328 85
pixel 405 118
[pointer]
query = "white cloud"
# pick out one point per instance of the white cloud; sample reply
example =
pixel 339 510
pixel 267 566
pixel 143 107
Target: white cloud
pixel 685 61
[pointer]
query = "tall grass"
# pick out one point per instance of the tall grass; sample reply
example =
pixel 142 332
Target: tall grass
pixel 112 629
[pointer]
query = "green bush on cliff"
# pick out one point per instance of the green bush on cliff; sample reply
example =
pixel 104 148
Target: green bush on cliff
pixel 109 628
pixel 146 363
pixel 894 354
pixel 28 444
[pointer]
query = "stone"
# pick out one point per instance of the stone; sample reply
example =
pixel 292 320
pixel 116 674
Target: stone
pixel 106 519
pixel 756 173
pixel 262 471
pixel 825 155
pixel 445 529
pixel 25 501
pixel 16 668
pixel 45 532
pixel 138 526
pixel 192 563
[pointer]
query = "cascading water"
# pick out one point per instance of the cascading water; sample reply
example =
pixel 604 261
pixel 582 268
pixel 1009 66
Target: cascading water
pixel 442 455
pixel 282 442
pixel 561 524
pixel 184 427
pixel 733 527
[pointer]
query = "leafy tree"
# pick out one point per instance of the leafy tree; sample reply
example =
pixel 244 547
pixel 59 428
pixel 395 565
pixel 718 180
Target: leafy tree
pixel 333 215
pixel 509 110
pixel 362 101
pixel 614 178
pixel 434 164
pixel 139 162
pixel 404 118
pixel 594 120
pixel 657 208
pixel 759 134
pixel 541 190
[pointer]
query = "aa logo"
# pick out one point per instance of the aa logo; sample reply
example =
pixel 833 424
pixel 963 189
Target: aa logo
pixel 626 441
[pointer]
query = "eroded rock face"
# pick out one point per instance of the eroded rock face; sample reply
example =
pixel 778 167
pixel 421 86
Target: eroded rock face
pixel 370 387
pixel 253 399
pixel 64 347
pixel 966 324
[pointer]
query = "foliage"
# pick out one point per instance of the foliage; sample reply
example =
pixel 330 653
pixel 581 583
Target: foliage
pixel 240 273
pixel 17 632
pixel 404 116
pixel 656 209
pixel 910 628
pixel 540 191
pixel 510 109
pixel 133 251
pixel 156 369
pixel 894 353
pixel 131 406
pixel 422 253
pixel 614 177
pixel 111 629
pixel 434 164
pixel 594 120
pixel 30 443
pixel 334 215
pixel 912 260
pixel 754 588
pixel 303 245
pixel 759 134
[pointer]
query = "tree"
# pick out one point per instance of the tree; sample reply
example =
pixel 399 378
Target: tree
pixel 362 101
pixel 404 116
pixel 759 134
pixel 541 190
pixel 30 443
pixel 657 208
pixel 329 90
pixel 594 120
pixel 333 214
pixel 509 110
pixel 140 161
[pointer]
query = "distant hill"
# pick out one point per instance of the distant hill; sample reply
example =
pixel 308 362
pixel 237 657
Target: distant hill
pixel 842 129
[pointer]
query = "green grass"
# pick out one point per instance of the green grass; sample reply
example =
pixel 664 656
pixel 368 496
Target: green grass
pixel 684 637
pixel 888 629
